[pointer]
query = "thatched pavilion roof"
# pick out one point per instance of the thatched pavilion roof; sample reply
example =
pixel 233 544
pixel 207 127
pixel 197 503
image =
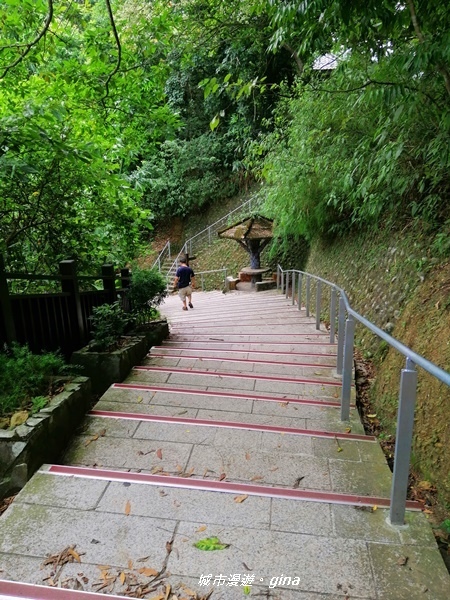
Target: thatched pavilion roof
pixel 252 228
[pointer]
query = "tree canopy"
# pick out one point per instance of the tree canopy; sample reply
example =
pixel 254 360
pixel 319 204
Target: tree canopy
pixel 116 115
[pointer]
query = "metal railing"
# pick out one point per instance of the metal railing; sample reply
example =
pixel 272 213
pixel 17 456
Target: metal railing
pixel 207 234
pixel 162 256
pixel 295 280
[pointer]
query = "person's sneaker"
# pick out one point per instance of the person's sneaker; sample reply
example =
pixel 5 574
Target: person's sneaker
pixel 190 305
pixel 184 307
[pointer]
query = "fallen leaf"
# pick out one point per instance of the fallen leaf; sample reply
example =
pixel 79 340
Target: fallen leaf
pixel 424 485
pixel 176 504
pixel 157 470
pixel 162 493
pixel 240 499
pixel 140 398
pixel 130 564
pixel 148 572
pixel 403 560
pixel 159 453
pixel 297 481
pixel 18 418
pixel 169 547
pixel 168 588
pixel 222 476
pixel 209 544
pixel 201 528
pixel 128 508
pixel 348 430
pixel 257 478
pixel 179 468
pixel 372 416
pixel 122 578
pixel 247 456
pixel 75 554
pixel 143 559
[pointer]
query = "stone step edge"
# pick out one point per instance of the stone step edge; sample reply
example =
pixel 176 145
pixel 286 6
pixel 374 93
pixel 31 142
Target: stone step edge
pixel 242 360
pixel 220 394
pixel 29 591
pixel 223 374
pixel 223 486
pixel 314 433
pixel 178 349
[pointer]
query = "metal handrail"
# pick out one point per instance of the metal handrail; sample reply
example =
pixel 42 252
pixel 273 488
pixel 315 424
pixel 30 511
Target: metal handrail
pixel 160 258
pixel 207 232
pixel 344 367
pixel 202 273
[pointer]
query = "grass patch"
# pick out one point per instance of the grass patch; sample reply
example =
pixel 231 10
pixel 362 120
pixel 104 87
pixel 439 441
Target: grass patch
pixel 28 380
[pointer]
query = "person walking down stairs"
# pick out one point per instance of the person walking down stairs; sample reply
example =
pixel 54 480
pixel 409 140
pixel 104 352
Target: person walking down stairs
pixel 185 282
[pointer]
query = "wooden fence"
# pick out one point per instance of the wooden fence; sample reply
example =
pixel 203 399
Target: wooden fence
pixel 60 320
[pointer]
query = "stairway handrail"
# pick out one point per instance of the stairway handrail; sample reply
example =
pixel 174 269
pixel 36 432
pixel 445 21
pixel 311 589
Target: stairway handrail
pixel 187 246
pixel 159 260
pixel 408 381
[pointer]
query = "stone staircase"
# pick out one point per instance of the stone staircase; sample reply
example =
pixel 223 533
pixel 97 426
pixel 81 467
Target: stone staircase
pixel 228 436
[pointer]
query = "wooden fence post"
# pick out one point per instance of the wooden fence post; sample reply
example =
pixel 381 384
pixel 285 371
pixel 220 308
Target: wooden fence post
pixel 5 305
pixel 109 281
pixel 69 284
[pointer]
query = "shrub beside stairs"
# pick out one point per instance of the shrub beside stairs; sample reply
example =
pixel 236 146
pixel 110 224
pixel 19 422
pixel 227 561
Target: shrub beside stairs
pixel 220 469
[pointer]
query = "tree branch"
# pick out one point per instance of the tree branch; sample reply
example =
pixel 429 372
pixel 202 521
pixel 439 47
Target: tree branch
pixel 440 66
pixel 296 57
pixel 119 48
pixel 30 45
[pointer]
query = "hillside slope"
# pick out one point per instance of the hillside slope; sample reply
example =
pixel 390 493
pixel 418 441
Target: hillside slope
pixel 392 280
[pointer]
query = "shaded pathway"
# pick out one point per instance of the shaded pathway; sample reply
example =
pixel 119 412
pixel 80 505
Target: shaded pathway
pixel 230 429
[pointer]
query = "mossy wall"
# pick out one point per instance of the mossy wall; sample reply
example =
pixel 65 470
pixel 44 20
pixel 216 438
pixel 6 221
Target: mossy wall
pixel 392 280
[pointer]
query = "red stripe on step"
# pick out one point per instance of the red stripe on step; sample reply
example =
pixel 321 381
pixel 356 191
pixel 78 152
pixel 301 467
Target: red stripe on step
pixel 224 486
pixel 283 400
pixel 243 360
pixel 264 336
pixel 216 341
pixel 237 375
pixel 178 349
pixel 230 425
pixel 28 591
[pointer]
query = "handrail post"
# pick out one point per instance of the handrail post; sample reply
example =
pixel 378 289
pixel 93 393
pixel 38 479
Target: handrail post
pixel 293 288
pixel 69 284
pixel 308 293
pixel 287 285
pixel 168 245
pixel 299 293
pixel 405 425
pixel 318 303
pixel 278 277
pixel 332 315
pixel 348 368
pixel 282 282
pixel 5 305
pixel 341 336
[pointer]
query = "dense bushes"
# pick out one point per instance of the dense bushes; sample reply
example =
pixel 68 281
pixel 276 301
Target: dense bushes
pixel 26 377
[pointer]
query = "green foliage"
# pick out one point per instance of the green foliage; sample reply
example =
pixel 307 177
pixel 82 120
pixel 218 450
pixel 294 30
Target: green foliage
pixel 109 322
pixel 27 377
pixel 211 543
pixel 147 290
pixel 185 175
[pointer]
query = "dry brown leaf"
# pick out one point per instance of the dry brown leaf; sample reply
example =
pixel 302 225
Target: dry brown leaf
pixel 75 554
pixel 162 493
pixel 122 578
pixel 222 476
pixel 169 547
pixel 148 572
pixel 168 589
pixel 201 528
pixel 159 453
pixel 158 597
pixel 130 564
pixel 176 504
pixel 157 470
pixel 257 478
pixel 188 591
pixel 143 559
pixel 128 508
pixel 402 560
pixel 247 456
pixel 240 499
pixel 179 468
